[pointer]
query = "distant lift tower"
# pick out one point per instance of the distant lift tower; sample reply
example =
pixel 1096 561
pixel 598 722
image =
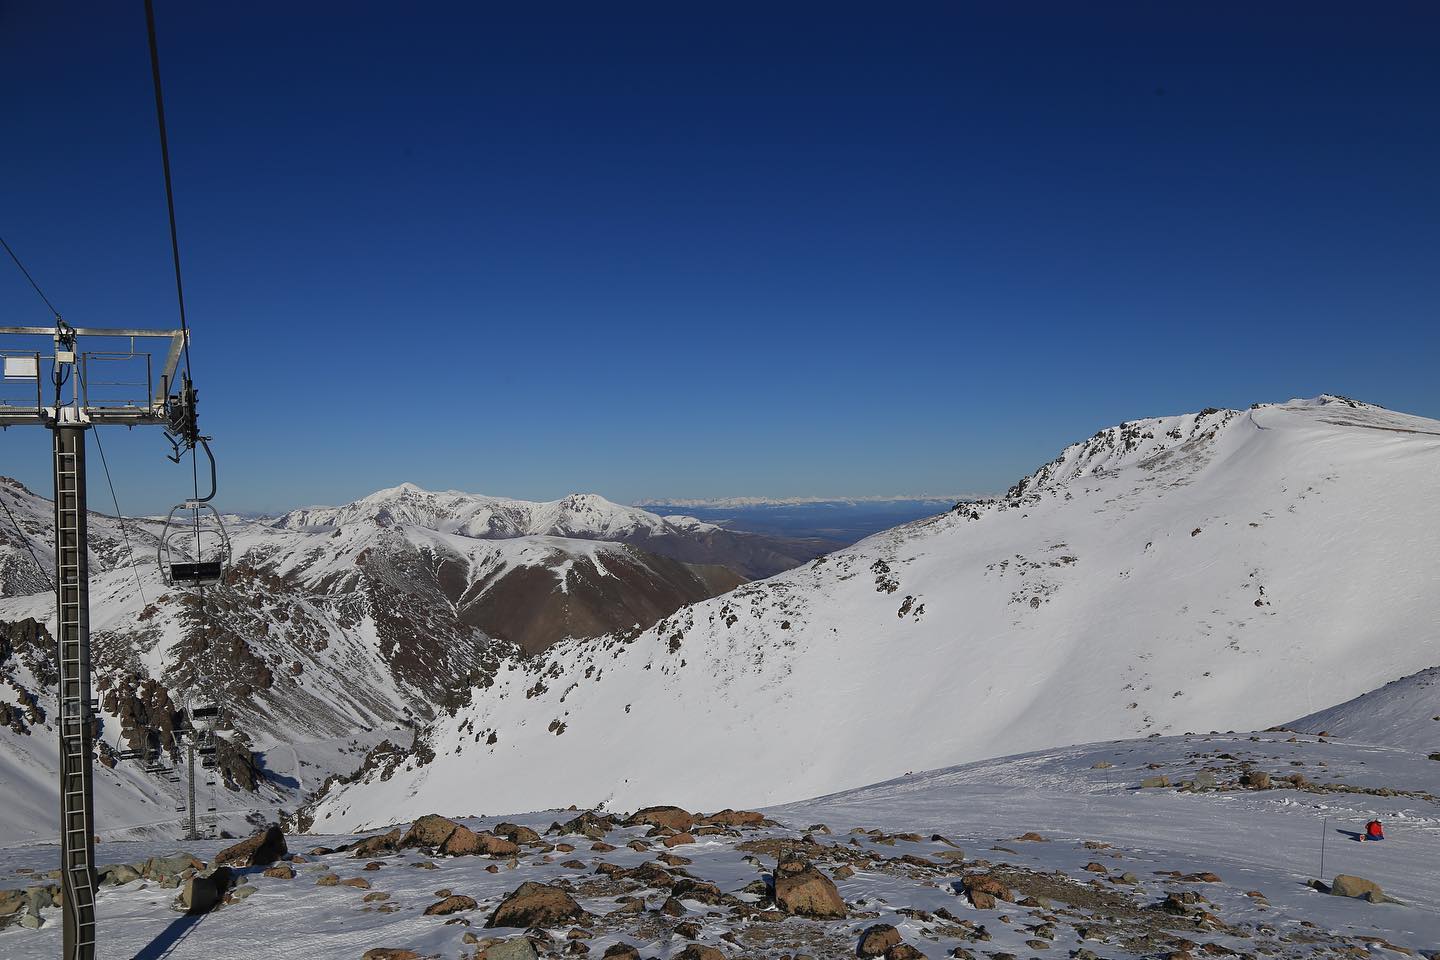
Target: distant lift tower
pixel 119 385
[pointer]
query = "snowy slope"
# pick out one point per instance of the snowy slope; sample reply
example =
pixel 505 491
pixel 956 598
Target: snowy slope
pixel 1109 854
pixel 1403 713
pixel 1225 569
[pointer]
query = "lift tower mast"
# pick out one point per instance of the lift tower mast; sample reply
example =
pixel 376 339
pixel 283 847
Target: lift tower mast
pixel 141 396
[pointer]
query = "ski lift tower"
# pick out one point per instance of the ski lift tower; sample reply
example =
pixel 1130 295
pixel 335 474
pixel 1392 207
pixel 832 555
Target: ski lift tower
pixel 50 382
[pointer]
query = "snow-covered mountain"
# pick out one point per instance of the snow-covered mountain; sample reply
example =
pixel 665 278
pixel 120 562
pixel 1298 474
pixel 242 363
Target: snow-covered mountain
pixel 352 623
pixel 1224 569
pixel 581 516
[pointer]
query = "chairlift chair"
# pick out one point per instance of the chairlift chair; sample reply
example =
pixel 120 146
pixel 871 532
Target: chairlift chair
pixel 194 552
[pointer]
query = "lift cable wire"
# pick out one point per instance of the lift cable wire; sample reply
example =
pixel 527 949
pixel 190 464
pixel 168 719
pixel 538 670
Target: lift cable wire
pixel 24 537
pixel 28 545
pixel 169 184
pixel 120 517
pixel 174 246
pixel 30 278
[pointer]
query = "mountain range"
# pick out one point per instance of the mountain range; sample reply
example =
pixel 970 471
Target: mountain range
pixel 1226 569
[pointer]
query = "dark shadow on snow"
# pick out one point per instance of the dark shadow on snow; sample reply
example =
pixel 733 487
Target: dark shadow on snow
pixel 1352 834
pixel 164 944
pixel 279 779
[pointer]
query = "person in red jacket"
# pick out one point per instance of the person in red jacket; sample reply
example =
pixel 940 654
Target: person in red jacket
pixel 1373 831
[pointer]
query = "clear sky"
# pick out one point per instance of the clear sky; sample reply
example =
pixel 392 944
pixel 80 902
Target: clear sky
pixel 703 250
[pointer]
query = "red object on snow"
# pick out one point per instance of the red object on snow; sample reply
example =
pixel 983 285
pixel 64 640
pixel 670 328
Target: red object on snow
pixel 1374 831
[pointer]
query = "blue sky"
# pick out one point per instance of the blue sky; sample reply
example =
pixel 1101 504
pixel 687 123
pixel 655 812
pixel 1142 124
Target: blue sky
pixel 772 249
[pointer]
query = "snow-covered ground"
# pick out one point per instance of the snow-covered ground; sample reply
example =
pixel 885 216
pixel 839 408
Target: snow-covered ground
pixel 1227 568
pixel 1262 845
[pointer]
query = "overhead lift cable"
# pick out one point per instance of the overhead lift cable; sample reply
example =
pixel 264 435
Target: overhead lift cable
pixel 30 278
pixel 24 537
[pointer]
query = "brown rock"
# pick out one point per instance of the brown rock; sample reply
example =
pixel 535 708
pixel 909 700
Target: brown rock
pixel 903 951
pixel 697 951
pixel 452 904
pixel 263 849
pixel 359 883
pixel 844 872
pixel 877 939
pixel 281 871
pixel 677 839
pixel 622 951
pixel 536 905
pixel 986 885
pixel 390 953
pixel 1032 836
pixel 736 818
pixel 672 817
pixel 382 843
pixel 803 890
pixel 327 880
pixel 516 833
pixel 430 830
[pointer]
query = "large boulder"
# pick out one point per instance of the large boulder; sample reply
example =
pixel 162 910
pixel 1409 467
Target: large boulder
pixel 381 843
pixel 261 850
pixel 536 905
pixel 166 868
pixel 463 842
pixel 876 940
pixel 203 892
pixel 734 818
pixel 698 951
pixel 802 890
pixel 516 833
pixel 672 817
pixel 516 948
pixel 117 874
pixel 451 904
pixel 430 830
pixel 1346 885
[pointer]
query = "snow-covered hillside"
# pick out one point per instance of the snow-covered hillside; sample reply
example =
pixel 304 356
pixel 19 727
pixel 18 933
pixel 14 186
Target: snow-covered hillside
pixel 1403 713
pixel 350 623
pixel 1225 569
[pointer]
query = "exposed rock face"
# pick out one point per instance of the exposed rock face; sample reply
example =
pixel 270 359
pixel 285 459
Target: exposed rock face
pixel 803 890
pixel 264 848
pixel 536 905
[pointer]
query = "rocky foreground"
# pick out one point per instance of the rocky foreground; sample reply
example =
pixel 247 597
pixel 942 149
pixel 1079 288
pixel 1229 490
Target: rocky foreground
pixel 663 882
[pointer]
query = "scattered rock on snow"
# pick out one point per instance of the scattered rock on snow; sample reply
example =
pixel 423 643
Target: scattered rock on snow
pixel 536 905
pixel 263 849
pixel 803 890
pixel 877 939
pixel 451 904
pixel 1346 885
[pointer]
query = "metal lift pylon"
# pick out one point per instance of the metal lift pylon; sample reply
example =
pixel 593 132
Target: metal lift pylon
pixel 123 404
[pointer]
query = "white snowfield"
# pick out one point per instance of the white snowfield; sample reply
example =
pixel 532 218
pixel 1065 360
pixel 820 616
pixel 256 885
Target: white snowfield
pixel 1220 570
pixel 1265 842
